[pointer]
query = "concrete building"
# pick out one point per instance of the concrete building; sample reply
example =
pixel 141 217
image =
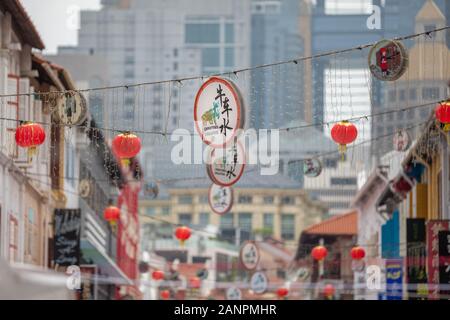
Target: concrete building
pixel 272 206
pixel 276 36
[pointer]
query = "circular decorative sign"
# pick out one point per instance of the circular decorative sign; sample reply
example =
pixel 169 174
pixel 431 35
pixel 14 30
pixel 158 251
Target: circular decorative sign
pixel 218 111
pixel 151 189
pixel 303 273
pixel 226 166
pixel 312 167
pixel 84 188
pixel 259 282
pixel 234 293
pixel 401 140
pixel 202 274
pixel 71 109
pixel 388 60
pixel 220 199
pixel 249 255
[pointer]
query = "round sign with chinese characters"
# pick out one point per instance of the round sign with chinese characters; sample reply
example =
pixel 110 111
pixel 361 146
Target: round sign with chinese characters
pixel 312 168
pixel 226 165
pixel 358 265
pixel 249 255
pixel 84 188
pixel 71 108
pixel 388 60
pixel 234 293
pixel 218 111
pixel 401 140
pixel 220 198
pixel 259 282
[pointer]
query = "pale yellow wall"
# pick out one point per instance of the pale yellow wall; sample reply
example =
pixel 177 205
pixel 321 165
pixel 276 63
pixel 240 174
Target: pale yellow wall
pixel 305 211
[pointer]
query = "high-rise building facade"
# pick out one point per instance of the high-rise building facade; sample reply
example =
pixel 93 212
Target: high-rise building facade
pixel 151 40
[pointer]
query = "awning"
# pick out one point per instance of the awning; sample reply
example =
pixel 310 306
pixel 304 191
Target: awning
pixel 111 273
pixel 25 282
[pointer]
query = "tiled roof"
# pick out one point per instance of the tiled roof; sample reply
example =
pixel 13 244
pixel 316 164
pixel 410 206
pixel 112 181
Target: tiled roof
pixel 343 224
pixel 22 21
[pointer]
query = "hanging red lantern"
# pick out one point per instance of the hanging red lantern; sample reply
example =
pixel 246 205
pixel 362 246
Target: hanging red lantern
pixel 328 291
pixel 358 253
pixel 344 133
pixel 165 294
pixel 282 292
pixel 157 275
pixel 443 114
pixel 112 215
pixel 195 282
pixel 182 234
pixel 126 146
pixel 319 253
pixel 30 135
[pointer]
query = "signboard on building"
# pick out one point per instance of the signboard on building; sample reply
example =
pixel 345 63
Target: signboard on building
pixel 67 226
pixel 433 229
pixel 394 279
pixel 444 268
pixel 416 259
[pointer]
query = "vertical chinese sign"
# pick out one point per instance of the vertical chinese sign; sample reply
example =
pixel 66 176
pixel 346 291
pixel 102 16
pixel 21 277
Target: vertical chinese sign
pixel 416 259
pixel 67 225
pixel 444 268
pixel 433 229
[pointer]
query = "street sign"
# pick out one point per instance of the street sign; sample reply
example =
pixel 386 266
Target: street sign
pixel 234 293
pixel 259 282
pixel 249 255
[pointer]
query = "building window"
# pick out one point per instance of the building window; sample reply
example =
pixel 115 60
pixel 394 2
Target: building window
pixel 227 221
pixel 202 33
pixel 268 222
pixel 203 219
pixel 430 93
pixel 245 221
pixel 150 211
pixel 175 52
pixel 229 57
pixel 165 211
pixel 210 57
pixel 229 33
pixel 288 226
pixel 392 96
pixel 245 199
pixel 203 199
pixel 185 199
pixel 343 181
pixel 185 219
pixel 288 200
pixel 268 199
pixel 13 239
pixel 412 94
pixel 402 95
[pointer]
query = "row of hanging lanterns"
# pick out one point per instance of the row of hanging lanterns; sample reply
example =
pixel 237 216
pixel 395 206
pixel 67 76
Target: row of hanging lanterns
pixel 319 253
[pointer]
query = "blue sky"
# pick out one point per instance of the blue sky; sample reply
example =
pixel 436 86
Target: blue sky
pixel 57 20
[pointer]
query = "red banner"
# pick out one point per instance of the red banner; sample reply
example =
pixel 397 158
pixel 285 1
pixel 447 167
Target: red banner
pixel 433 228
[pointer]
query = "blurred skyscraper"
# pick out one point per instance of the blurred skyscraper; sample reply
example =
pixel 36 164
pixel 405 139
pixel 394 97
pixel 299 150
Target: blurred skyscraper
pixel 278 95
pixel 150 40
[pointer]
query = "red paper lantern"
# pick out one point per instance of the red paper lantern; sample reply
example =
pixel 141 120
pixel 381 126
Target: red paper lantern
pixel 165 294
pixel 112 215
pixel 157 275
pixel 358 253
pixel 344 133
pixel 182 234
pixel 282 292
pixel 30 135
pixel 195 282
pixel 328 291
pixel 319 253
pixel 443 114
pixel 126 146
